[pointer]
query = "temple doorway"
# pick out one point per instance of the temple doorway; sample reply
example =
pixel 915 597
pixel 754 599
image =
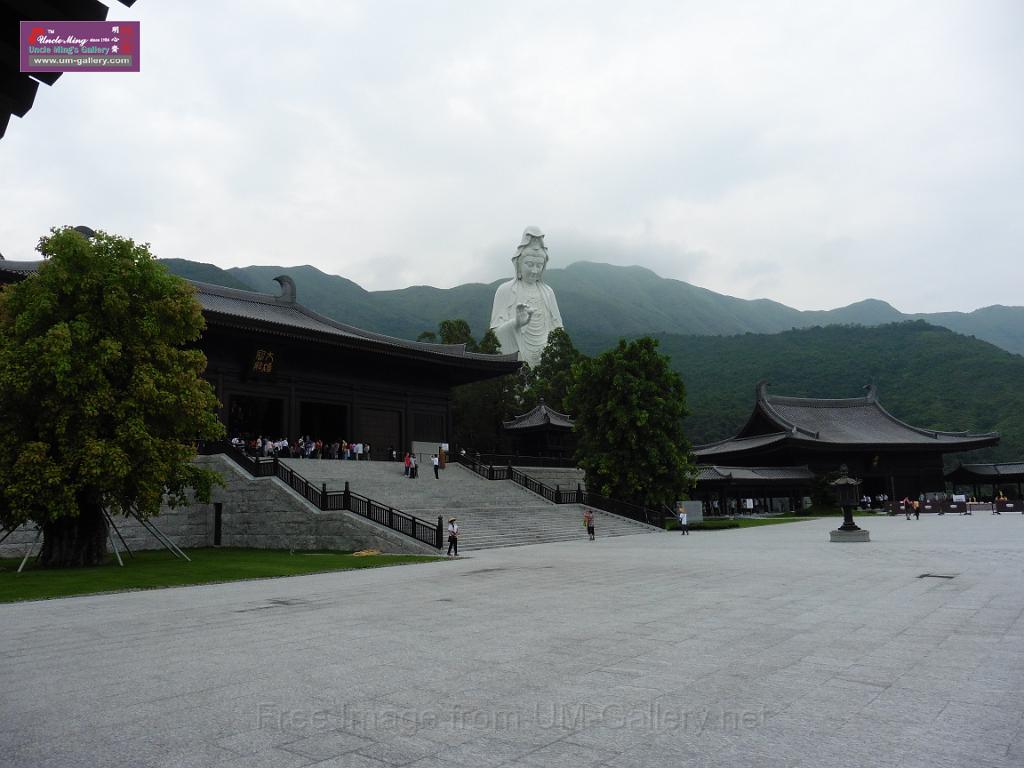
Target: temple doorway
pixel 250 416
pixel 324 421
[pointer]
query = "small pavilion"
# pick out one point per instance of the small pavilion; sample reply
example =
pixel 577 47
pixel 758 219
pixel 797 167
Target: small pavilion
pixel 769 489
pixel 542 432
pixel 999 477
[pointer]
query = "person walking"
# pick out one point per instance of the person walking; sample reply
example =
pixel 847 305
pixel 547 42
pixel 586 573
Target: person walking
pixel 682 522
pixel 434 461
pixel 453 537
pixel 406 464
pixel 917 510
pixel 414 471
pixel 588 520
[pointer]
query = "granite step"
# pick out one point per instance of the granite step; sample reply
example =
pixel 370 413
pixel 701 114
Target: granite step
pixel 491 513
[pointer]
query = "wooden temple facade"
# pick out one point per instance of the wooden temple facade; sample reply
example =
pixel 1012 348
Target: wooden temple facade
pixel 281 370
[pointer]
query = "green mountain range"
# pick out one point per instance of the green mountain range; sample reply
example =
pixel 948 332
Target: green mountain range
pixel 951 370
pixel 598 302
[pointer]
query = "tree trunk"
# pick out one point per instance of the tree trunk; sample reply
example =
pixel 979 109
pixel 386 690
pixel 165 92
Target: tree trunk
pixel 72 542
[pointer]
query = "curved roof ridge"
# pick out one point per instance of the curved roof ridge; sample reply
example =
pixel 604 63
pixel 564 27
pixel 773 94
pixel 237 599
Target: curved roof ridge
pixel 549 409
pixel 540 414
pixel 764 402
pixel 996 465
pixel 748 438
pixel 933 433
pixel 849 419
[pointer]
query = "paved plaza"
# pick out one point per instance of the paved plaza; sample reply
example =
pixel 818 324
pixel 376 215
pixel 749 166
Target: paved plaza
pixel 760 647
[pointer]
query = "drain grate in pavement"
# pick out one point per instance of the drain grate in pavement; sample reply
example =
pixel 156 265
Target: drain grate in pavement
pixel 277 602
pixel 937 576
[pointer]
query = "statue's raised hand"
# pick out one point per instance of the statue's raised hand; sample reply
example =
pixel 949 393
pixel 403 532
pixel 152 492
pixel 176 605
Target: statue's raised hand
pixel 523 314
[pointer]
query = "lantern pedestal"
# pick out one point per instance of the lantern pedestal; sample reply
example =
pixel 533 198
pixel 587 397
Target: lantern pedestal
pixel 840 536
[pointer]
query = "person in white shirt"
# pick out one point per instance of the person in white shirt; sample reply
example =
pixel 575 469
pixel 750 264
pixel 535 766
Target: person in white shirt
pixel 453 537
pixel 682 522
pixel 436 462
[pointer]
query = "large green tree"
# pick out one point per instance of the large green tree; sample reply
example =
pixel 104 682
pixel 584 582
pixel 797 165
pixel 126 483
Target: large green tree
pixel 553 377
pixel 101 395
pixel 629 407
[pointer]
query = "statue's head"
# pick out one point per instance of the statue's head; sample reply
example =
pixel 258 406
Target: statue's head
pixel 531 256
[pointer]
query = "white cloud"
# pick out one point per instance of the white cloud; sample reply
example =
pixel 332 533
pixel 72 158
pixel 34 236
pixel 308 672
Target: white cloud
pixel 816 154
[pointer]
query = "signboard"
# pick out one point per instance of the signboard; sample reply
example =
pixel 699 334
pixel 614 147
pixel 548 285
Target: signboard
pixel 263 361
pixel 79 46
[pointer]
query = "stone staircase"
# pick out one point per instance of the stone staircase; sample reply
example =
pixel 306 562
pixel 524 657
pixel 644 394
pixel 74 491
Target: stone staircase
pixel 564 477
pixel 491 513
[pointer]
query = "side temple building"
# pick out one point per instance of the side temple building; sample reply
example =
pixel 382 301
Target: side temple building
pixel 888 455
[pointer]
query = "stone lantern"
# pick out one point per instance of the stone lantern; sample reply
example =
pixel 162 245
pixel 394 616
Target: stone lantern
pixel 847 492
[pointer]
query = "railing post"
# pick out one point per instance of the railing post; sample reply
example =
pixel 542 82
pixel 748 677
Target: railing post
pixel 490 472
pixel 323 496
pixel 558 494
pixel 391 518
pixel 439 537
pixel 275 467
pixel 346 498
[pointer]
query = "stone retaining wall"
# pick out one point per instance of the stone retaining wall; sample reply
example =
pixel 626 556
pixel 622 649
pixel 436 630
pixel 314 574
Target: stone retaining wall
pixel 259 513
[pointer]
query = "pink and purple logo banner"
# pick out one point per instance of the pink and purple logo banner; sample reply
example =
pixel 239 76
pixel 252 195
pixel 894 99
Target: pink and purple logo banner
pixel 79 46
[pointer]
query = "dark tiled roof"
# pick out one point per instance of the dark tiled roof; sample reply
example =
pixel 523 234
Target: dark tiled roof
pixel 1014 471
pixel 734 444
pixel 538 417
pixel 18 268
pixel 851 422
pixel 767 475
pixel 283 315
pixel 858 420
pixel 275 311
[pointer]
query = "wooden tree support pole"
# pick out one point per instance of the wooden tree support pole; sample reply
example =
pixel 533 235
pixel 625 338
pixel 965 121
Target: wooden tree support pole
pixel 39 532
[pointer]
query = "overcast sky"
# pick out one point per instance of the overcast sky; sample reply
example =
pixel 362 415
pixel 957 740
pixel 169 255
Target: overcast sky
pixel 816 153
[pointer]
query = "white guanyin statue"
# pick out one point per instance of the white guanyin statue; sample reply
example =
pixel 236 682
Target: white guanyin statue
pixel 525 310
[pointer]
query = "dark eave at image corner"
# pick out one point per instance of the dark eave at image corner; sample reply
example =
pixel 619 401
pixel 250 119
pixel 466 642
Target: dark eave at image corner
pixel 17 89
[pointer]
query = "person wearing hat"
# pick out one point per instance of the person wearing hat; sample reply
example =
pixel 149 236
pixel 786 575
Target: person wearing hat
pixel 453 537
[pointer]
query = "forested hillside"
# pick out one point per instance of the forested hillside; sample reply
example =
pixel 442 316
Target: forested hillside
pixel 598 302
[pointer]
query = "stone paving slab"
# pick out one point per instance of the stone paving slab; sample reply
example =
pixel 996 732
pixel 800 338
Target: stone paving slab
pixel 756 647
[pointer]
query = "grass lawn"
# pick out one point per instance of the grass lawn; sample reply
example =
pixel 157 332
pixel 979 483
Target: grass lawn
pixel 155 569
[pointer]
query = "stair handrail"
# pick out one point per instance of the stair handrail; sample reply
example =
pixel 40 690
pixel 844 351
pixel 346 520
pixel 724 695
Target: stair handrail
pixel 637 512
pixel 425 531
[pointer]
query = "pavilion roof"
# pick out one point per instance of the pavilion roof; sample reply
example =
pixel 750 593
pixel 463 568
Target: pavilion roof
pixel 755 475
pixel 987 473
pixel 540 416
pixel 859 422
